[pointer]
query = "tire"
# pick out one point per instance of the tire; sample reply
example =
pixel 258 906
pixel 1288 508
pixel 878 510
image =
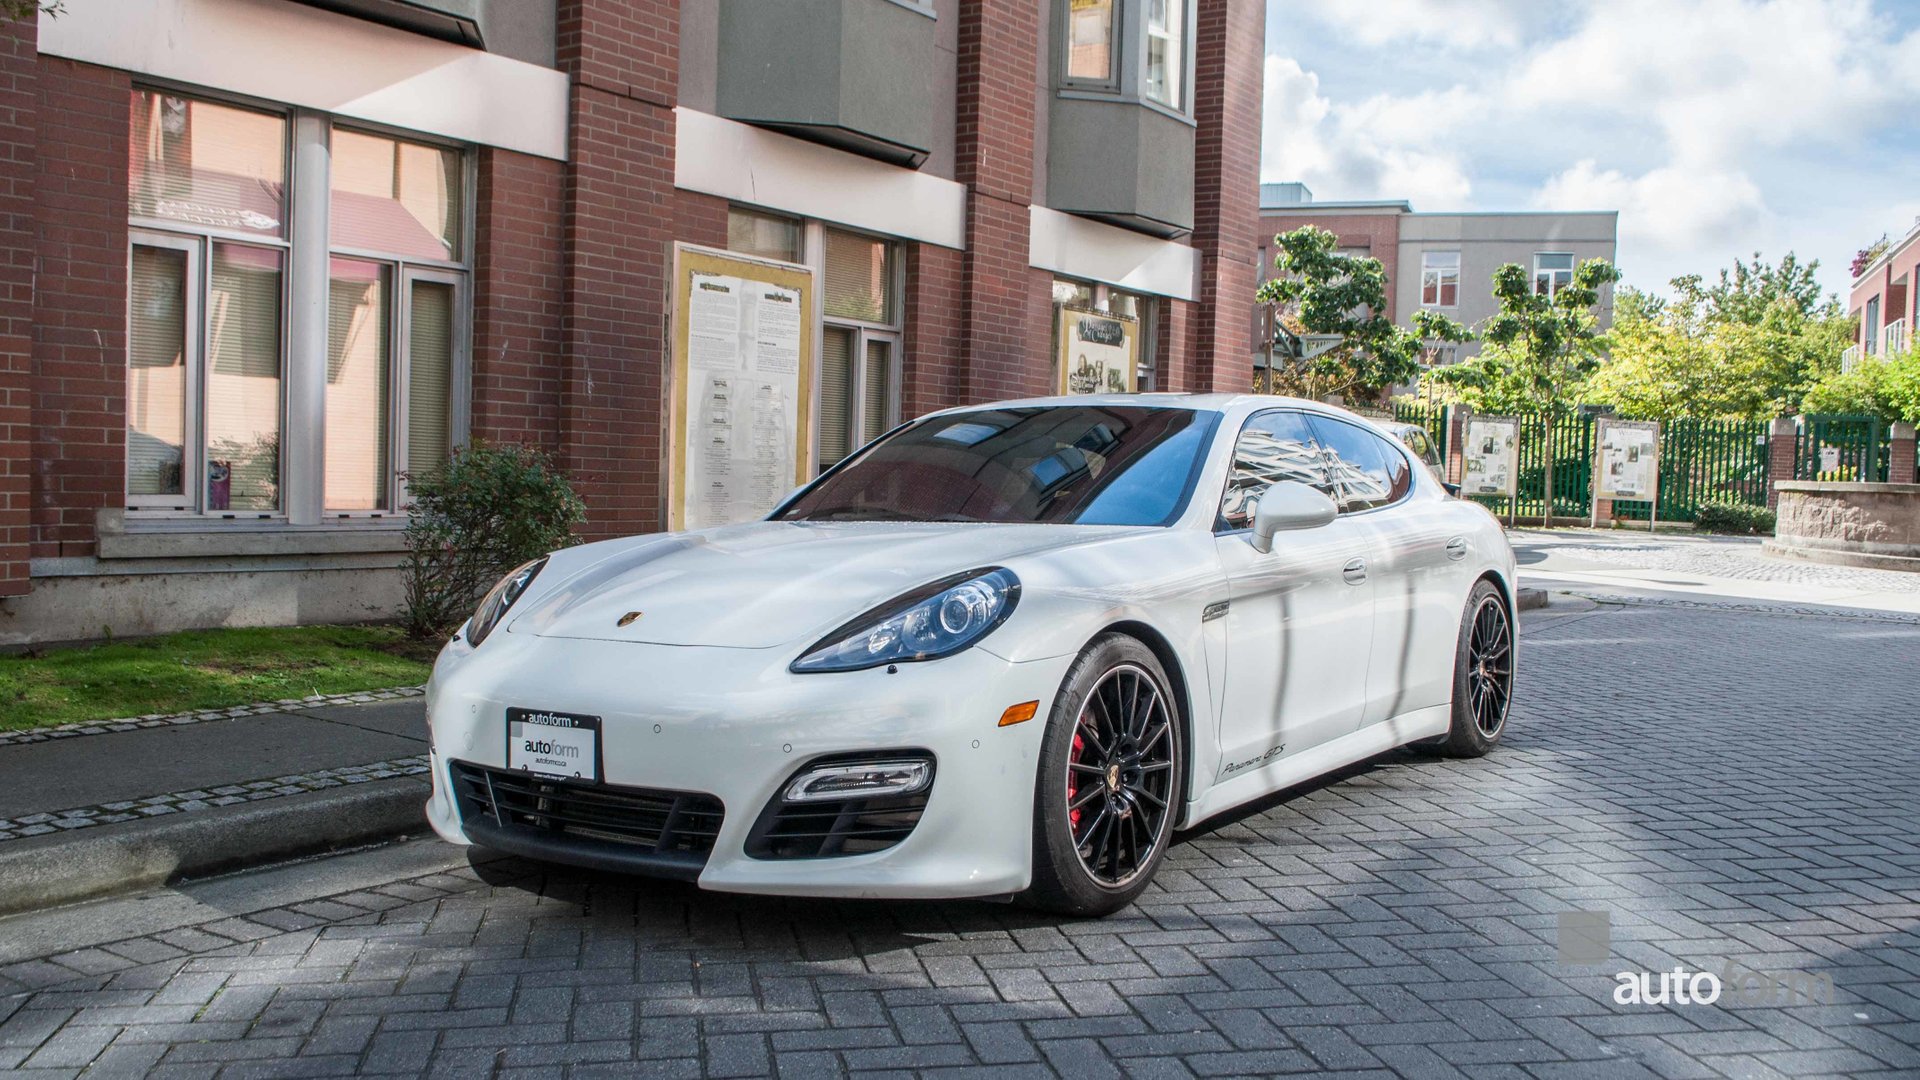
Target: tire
pixel 1482 695
pixel 1112 750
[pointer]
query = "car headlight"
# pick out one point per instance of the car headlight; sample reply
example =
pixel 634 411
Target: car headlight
pixel 495 604
pixel 931 622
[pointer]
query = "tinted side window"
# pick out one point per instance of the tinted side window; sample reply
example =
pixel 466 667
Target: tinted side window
pixel 1273 446
pixel 1368 470
pixel 1421 446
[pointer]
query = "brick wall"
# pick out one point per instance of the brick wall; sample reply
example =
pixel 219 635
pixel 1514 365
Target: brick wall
pixel 517 298
pixel 1227 78
pixel 1001 312
pixel 931 365
pixel 17 107
pixel 618 228
pixel 79 311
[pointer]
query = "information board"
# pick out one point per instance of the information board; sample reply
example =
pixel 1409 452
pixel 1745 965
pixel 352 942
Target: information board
pixel 1629 465
pixel 741 387
pixel 1491 456
pixel 1099 353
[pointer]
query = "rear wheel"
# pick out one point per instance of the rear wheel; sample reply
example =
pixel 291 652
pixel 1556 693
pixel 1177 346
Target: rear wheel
pixel 1109 784
pixel 1482 676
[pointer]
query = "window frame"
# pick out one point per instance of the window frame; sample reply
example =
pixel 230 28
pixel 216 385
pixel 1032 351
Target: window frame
pixel 1181 105
pixel 1117 35
pixel 192 449
pixel 1127 73
pixel 814 246
pixel 1438 273
pixel 1553 288
pixel 298 469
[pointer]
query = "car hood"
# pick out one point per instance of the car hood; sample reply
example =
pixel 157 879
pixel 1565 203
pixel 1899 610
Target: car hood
pixel 769 583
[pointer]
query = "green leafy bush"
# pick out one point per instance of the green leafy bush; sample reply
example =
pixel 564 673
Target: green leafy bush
pixel 489 509
pixel 1743 519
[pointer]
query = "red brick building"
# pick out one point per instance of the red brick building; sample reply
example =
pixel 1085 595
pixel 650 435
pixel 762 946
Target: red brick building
pixel 1882 299
pixel 265 257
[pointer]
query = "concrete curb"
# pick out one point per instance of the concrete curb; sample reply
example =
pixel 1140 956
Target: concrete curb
pixel 59 869
pixel 1531 599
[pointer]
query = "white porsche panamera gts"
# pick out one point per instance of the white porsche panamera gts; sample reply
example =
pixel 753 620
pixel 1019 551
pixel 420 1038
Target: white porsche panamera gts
pixel 1003 651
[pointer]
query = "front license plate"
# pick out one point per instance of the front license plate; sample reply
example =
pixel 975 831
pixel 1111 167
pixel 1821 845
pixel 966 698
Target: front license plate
pixel 565 745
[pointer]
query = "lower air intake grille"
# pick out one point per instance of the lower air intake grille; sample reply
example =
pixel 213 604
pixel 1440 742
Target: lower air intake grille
pixel 639 820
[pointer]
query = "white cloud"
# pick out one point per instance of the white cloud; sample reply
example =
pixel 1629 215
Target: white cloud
pixel 1460 24
pixel 1715 127
pixel 1666 214
pixel 1338 153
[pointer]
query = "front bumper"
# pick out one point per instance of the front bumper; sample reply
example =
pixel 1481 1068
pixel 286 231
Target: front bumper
pixel 736 725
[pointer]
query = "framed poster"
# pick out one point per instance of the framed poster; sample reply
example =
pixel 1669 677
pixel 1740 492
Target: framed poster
pixel 1490 459
pixel 1099 353
pixel 741 386
pixel 1629 465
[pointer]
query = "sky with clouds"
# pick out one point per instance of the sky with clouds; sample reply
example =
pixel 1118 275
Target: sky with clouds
pixel 1716 127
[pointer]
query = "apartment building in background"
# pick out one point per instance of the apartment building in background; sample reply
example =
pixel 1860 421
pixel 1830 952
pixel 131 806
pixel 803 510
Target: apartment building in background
pixel 266 258
pixel 1441 261
pixel 1882 300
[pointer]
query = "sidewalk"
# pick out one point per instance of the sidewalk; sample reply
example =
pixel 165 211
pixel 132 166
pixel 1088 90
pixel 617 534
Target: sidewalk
pixel 94 810
pixel 1716 569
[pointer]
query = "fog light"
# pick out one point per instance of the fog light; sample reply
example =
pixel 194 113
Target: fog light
pixel 859 780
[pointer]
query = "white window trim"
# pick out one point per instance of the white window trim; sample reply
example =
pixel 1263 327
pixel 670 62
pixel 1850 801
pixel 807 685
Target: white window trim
pixel 191 450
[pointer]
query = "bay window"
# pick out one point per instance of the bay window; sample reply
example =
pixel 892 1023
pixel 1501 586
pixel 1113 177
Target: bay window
pixel 1166 51
pixel 220 311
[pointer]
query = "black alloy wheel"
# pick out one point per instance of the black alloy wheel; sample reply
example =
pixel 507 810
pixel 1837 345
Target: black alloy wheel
pixel 1120 775
pixel 1110 781
pixel 1490 667
pixel 1482 675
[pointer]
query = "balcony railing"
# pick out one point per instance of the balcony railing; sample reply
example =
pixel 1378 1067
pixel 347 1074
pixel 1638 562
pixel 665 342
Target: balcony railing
pixel 1893 339
pixel 1850 359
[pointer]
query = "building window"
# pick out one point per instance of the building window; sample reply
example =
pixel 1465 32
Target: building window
pixel 206 278
pixel 1088 296
pixel 212 308
pixel 1438 356
pixel 1090 36
pixel 1166 52
pixel 1440 279
pixel 1870 333
pixel 1552 271
pixel 396 213
pixel 860 278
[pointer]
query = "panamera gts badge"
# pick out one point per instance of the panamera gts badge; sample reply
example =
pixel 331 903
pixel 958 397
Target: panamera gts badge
pixel 630 616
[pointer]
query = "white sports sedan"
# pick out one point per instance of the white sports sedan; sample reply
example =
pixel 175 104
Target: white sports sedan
pixel 1003 651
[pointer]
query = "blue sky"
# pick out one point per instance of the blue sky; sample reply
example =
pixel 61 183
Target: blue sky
pixel 1716 127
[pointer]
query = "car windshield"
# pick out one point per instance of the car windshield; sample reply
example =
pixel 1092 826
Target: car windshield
pixel 1062 464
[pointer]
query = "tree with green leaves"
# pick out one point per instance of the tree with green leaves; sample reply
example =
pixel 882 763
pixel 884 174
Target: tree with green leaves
pixel 1539 345
pixel 1321 291
pixel 17 10
pixel 1747 348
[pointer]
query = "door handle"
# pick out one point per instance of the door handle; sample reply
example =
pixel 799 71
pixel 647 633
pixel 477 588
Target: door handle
pixel 1355 572
pixel 1457 548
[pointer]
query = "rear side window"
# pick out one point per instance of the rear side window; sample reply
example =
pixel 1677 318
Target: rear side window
pixel 1273 446
pixel 1422 446
pixel 1367 470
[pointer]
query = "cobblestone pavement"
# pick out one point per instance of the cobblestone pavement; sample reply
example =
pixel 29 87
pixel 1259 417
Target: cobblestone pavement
pixel 1730 788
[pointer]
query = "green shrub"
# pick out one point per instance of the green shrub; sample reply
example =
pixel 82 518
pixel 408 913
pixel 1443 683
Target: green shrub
pixel 489 509
pixel 1743 519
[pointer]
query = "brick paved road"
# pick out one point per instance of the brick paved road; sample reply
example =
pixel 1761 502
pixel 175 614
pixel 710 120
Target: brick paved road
pixel 1727 786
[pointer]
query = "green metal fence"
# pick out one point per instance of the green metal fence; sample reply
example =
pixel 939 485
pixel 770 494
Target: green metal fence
pixel 1831 446
pixel 1706 461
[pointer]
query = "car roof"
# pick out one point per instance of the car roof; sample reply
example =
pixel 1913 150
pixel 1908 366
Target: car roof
pixel 1212 402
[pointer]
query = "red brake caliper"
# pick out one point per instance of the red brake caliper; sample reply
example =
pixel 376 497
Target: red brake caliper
pixel 1073 780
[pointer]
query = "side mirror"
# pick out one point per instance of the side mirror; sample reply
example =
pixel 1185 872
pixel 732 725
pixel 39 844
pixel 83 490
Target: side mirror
pixel 1451 489
pixel 1287 506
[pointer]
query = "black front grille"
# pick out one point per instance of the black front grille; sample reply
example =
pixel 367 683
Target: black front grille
pixel 814 830
pixel 640 821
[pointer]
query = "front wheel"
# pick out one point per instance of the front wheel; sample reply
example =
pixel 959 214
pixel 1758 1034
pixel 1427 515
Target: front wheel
pixel 1109 783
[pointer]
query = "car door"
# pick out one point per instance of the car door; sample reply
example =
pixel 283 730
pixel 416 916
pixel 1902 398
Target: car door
pixel 1412 568
pixel 1299 617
